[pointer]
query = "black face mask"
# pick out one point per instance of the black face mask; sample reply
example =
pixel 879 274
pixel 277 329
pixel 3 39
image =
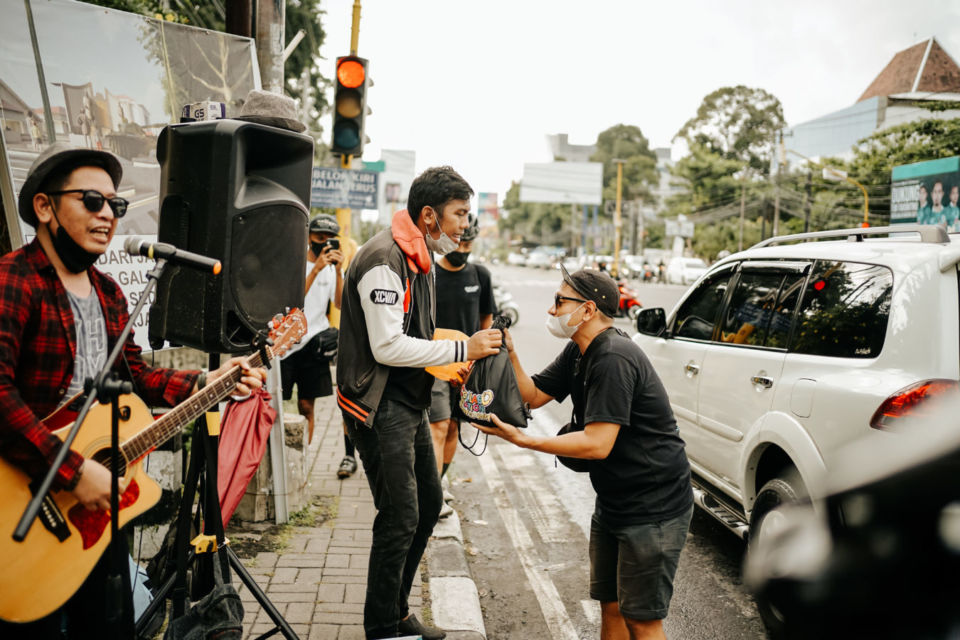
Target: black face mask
pixel 457 258
pixel 74 257
pixel 317 248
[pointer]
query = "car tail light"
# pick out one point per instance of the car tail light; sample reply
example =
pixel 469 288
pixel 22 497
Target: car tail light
pixel 918 401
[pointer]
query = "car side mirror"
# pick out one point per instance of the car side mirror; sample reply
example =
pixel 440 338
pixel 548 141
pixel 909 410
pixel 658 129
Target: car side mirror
pixel 652 322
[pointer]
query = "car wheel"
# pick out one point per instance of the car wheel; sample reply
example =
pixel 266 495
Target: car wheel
pixel 766 520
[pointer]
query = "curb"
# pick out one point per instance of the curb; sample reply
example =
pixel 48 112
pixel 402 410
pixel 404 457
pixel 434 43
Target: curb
pixel 455 603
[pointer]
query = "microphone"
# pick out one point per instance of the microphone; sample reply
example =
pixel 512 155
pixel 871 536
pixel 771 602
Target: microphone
pixel 160 250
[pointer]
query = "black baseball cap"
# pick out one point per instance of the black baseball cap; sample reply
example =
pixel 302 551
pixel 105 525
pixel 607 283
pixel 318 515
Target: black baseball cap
pixel 325 223
pixel 53 157
pixel 596 286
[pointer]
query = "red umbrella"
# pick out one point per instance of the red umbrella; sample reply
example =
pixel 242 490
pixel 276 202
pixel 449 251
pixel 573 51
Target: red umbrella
pixel 244 430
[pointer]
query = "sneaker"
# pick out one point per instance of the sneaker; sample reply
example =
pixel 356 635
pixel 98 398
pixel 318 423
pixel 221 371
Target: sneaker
pixel 412 627
pixel 447 496
pixel 445 510
pixel 347 467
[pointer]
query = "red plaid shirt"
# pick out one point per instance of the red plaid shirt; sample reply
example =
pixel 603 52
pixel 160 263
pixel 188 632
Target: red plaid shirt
pixel 38 346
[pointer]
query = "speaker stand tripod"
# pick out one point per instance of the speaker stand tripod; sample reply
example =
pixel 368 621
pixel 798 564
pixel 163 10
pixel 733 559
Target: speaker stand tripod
pixel 203 452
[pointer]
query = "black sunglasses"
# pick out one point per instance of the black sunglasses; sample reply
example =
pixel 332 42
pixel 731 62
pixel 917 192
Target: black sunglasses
pixel 93 200
pixel 559 299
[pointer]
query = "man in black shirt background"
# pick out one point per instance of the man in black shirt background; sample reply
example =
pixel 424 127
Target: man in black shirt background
pixel 624 427
pixel 464 303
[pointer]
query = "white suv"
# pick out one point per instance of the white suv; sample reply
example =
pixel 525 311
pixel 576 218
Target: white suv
pixel 782 353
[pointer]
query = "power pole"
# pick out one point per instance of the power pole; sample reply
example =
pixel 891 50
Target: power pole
pixel 271 16
pixel 239 17
pixel 808 203
pixel 743 210
pixel 616 219
pixel 776 188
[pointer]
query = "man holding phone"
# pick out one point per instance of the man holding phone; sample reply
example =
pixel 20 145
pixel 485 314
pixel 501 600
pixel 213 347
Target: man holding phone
pixel 305 364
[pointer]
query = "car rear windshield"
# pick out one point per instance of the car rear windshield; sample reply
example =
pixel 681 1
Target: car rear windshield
pixel 844 311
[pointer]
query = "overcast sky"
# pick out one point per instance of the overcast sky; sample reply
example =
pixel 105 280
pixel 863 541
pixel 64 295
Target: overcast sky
pixel 479 84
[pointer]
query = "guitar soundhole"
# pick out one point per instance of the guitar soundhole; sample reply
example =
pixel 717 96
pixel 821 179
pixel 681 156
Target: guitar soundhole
pixel 103 457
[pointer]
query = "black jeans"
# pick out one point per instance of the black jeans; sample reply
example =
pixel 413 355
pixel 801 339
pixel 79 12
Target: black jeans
pixel 397 455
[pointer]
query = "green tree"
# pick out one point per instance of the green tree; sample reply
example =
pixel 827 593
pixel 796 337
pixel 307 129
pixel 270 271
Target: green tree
pixel 738 123
pixel 626 142
pixel 707 179
pixel 547 223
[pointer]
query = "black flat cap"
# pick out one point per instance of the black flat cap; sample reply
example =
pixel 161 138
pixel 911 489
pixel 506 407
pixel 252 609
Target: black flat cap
pixel 596 286
pixel 53 157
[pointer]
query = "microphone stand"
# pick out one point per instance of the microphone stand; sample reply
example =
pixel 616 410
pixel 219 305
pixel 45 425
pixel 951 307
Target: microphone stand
pixel 107 389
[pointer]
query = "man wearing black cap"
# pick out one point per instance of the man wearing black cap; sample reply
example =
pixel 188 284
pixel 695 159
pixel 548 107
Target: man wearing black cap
pixel 306 364
pixel 59 317
pixel 624 430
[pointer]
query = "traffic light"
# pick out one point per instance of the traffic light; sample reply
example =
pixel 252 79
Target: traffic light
pixel 350 105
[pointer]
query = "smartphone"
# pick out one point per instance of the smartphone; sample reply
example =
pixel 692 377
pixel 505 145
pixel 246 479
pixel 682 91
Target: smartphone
pixel 333 243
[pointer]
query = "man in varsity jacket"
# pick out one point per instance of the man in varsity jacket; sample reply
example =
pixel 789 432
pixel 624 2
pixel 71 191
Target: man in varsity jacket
pixel 387 322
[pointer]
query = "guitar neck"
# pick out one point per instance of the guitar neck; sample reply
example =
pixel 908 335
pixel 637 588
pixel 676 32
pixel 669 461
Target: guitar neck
pixel 171 422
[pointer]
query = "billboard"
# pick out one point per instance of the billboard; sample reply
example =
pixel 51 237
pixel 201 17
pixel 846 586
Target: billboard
pixel 927 193
pixel 343 188
pixel 487 206
pixel 105 79
pixel 562 182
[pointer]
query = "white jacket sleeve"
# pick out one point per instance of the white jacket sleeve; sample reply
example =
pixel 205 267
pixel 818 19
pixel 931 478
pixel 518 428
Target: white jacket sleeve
pixel 381 296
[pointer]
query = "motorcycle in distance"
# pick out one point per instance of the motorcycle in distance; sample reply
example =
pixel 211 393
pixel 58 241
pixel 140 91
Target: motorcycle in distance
pixel 629 302
pixel 505 305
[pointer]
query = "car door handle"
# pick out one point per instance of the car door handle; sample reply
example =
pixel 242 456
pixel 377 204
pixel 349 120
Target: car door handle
pixel 763 381
pixel 692 369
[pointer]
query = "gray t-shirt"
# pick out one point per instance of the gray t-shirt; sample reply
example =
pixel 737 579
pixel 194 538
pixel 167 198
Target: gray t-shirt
pixel 91 340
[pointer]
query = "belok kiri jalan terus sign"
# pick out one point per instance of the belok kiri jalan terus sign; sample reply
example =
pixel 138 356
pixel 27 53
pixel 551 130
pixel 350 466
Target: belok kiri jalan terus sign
pixel 343 188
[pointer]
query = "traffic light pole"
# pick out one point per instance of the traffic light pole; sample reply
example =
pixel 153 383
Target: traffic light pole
pixel 344 215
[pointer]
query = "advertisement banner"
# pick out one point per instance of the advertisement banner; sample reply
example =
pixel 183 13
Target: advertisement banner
pixel 110 80
pixel 927 193
pixel 343 188
pixel 487 206
pixel 562 182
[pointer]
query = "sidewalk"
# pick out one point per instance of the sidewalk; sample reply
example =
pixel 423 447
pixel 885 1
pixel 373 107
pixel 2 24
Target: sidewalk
pixel 314 569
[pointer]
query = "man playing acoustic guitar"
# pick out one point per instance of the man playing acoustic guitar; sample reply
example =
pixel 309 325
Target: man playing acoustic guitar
pixel 59 317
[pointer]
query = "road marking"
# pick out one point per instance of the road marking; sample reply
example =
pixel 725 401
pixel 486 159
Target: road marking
pixel 552 607
pixel 591 609
pixel 543 506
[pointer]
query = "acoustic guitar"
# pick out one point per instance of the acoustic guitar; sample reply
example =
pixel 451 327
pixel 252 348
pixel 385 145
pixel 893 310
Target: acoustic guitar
pixel 39 575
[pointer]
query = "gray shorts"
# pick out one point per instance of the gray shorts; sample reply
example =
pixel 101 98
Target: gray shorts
pixel 634 565
pixel 441 401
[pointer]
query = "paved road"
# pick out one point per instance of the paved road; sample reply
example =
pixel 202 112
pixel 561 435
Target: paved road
pixel 526 521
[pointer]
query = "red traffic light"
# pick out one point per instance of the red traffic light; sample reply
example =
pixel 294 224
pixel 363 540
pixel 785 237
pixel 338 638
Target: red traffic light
pixel 350 73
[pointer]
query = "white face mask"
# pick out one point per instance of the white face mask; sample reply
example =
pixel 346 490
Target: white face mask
pixel 558 327
pixel 444 245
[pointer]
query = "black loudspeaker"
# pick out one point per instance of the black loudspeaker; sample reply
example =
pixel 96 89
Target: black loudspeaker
pixel 238 192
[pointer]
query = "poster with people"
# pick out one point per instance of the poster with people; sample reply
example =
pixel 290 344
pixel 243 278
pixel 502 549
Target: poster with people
pixel 927 193
pixel 116 92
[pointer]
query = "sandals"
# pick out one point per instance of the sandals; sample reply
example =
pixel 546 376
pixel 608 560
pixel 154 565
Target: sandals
pixel 347 467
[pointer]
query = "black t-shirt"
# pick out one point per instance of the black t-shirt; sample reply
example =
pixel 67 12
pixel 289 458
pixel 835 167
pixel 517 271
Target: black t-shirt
pixel 462 297
pixel 646 477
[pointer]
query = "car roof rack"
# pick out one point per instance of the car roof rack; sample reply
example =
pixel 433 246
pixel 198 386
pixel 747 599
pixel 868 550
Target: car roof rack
pixel 931 233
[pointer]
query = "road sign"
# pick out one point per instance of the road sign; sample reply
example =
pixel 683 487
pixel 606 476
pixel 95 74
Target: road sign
pixel 834 174
pixel 681 228
pixel 343 188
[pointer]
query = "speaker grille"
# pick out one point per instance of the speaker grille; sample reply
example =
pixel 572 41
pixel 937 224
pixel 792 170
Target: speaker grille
pixel 263 279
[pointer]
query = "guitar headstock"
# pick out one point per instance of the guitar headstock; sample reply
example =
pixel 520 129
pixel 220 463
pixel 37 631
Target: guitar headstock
pixel 286 331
